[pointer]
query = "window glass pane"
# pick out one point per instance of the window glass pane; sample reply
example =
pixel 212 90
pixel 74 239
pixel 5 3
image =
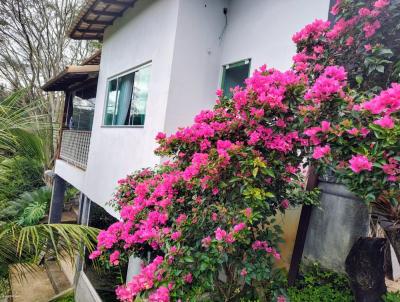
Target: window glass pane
pixel 127 97
pixel 234 75
pixel 139 96
pixel 83 109
pixel 125 85
pixel 111 101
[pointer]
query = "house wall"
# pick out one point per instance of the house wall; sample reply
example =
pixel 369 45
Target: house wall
pixel 145 33
pixel 262 30
pixel 196 60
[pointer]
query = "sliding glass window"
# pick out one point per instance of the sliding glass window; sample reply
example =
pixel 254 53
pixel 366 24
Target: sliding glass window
pixel 127 98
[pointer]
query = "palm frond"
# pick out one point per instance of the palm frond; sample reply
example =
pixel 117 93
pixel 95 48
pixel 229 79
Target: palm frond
pixel 27 245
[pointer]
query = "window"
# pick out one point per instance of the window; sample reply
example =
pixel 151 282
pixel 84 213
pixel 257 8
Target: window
pixel 234 75
pixel 83 104
pixel 127 97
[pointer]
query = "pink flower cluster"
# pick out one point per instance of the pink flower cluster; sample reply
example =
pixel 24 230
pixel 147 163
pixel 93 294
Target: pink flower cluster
pixel 144 281
pixel 360 163
pixel 263 245
pixel 331 82
pixel 311 31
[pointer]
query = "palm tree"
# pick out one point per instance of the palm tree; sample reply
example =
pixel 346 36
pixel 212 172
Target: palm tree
pixel 27 245
pixel 24 130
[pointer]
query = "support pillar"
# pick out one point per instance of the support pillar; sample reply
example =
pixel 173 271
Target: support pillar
pixel 57 199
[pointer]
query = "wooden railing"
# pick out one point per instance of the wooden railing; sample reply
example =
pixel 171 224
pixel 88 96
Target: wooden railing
pixel 75 147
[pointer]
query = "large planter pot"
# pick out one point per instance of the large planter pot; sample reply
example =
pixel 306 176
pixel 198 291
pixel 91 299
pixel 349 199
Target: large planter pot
pixel 335 225
pixel 365 269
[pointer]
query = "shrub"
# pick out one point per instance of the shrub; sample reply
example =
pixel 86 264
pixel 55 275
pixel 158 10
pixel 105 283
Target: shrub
pixel 317 284
pixel 392 297
pixel 29 208
pixel 18 175
pixel 203 222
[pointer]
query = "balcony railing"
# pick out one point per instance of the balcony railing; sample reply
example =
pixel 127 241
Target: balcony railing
pixel 75 147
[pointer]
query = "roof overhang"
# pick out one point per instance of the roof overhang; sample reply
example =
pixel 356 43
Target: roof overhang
pixel 95 16
pixel 94 59
pixel 70 76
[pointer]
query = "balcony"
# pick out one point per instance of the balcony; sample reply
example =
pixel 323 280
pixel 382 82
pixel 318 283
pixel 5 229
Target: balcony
pixel 75 147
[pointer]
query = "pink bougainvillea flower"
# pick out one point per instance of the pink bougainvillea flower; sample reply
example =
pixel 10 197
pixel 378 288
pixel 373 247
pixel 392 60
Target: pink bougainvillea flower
pixel 320 152
pixel 368 47
pixel 95 254
pixel 325 126
pixel 381 3
pixel 371 28
pixel 205 242
pixel 160 295
pixel 350 41
pixel 285 203
pixel 360 163
pixel 188 278
pixel 220 234
pixel 237 228
pixel 160 136
pixel 248 212
pixel 281 299
pixel 385 122
pixel 114 258
pixel 243 272
pixel 334 11
pixel 364 12
pixel 176 235
pixel 353 131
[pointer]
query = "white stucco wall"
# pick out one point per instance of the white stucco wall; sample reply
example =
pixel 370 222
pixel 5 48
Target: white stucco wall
pixel 262 30
pixel 181 39
pixel 145 33
pixel 196 60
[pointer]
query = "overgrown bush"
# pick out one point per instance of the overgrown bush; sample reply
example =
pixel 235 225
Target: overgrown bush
pixel 204 223
pixel 19 175
pixel 319 285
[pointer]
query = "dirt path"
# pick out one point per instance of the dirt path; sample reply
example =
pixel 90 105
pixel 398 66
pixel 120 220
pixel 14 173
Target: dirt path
pixel 35 287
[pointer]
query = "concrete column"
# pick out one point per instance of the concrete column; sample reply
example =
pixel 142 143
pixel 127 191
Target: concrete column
pixel 57 199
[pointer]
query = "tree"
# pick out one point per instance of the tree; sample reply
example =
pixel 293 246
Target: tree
pixel 34 46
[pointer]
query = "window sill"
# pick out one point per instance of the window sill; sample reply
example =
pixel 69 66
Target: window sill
pixel 122 126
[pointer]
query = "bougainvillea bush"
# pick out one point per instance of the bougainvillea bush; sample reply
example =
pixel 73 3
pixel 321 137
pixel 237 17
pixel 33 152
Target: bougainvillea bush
pixel 203 222
pixel 206 217
pixel 357 133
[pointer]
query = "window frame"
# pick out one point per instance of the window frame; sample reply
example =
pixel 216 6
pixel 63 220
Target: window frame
pixel 233 65
pixel 116 76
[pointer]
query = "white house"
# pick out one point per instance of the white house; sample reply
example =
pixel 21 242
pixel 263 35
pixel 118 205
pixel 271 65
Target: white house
pixel 161 63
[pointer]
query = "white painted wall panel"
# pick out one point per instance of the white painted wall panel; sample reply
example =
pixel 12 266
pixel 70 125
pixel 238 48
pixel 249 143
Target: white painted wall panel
pixel 145 33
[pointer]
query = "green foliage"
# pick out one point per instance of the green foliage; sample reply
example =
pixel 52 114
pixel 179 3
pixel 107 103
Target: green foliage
pixel 29 208
pixel 18 175
pixel 70 193
pixel 27 245
pixel 320 285
pixel 392 297
pixel 37 204
pixel 69 297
